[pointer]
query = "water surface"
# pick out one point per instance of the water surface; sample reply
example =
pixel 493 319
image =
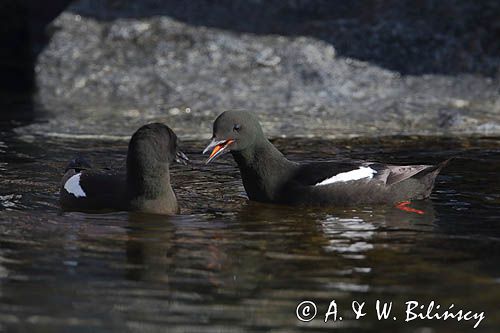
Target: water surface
pixel 228 265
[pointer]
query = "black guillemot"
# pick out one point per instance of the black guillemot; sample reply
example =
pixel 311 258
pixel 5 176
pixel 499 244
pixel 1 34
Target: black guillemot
pixel 270 177
pixel 145 187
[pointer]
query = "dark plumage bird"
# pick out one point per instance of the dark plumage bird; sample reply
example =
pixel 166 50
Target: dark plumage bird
pixel 268 176
pixel 145 187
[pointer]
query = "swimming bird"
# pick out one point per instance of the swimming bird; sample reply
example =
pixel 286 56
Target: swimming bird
pixel 268 176
pixel 145 187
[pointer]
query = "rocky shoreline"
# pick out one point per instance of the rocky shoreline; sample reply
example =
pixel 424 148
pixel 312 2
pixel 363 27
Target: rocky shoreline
pixel 111 73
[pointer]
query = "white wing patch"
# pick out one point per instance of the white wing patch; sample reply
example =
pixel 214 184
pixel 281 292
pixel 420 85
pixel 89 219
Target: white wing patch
pixel 362 172
pixel 72 185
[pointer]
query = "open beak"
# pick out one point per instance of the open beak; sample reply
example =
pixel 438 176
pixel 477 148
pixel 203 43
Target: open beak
pixel 218 147
pixel 181 158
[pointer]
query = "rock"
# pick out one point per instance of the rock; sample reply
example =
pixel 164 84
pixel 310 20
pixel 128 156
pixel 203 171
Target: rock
pixel 306 69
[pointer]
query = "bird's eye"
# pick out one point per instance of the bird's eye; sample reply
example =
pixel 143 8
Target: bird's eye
pixel 237 127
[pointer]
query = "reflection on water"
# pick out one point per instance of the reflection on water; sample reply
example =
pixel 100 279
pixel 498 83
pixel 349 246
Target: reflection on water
pixel 348 235
pixel 230 265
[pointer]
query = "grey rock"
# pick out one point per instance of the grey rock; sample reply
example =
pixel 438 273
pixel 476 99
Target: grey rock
pixel 109 73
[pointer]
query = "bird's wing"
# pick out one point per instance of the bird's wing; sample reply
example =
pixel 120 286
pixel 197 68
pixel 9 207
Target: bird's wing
pixel 391 174
pixel 325 173
pixel 94 184
pixel 332 172
pixel 102 182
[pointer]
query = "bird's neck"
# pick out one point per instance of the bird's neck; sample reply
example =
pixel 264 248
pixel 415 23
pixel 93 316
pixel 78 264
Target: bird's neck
pixel 149 186
pixel 263 169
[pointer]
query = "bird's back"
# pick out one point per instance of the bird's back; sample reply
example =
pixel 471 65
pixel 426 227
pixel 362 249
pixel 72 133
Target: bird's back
pixel 91 190
pixel 352 183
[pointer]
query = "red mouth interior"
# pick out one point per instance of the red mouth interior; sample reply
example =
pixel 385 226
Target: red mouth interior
pixel 220 146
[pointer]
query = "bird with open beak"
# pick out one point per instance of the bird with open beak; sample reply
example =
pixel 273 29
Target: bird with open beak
pixel 234 131
pixel 268 176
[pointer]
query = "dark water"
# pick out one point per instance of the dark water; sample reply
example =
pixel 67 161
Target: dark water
pixel 227 265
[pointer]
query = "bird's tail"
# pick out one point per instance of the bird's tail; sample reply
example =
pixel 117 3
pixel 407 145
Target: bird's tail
pixel 428 176
pixel 78 164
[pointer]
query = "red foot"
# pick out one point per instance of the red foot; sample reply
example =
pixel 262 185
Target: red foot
pixel 404 206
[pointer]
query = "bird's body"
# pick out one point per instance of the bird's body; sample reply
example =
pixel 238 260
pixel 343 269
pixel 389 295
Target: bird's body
pixel 270 177
pixel 145 186
pixel 93 190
